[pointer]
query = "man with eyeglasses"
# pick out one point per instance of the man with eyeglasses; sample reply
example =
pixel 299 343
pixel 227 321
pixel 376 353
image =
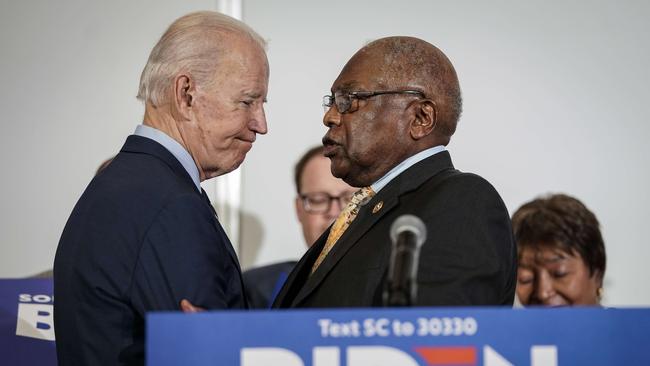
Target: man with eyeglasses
pixel 391 114
pixel 319 200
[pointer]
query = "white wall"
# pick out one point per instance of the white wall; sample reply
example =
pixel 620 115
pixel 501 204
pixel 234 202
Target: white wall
pixel 555 100
pixel 69 72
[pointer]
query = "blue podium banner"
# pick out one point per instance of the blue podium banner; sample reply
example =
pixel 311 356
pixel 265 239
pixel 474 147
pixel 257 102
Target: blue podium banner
pixel 26 322
pixel 404 337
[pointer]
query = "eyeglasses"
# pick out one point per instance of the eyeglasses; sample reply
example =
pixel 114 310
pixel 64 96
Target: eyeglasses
pixel 349 102
pixel 321 202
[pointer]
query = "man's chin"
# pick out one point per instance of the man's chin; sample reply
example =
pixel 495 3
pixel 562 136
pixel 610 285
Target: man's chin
pixel 339 167
pixel 225 168
pixel 236 165
pixel 341 174
pixel 238 160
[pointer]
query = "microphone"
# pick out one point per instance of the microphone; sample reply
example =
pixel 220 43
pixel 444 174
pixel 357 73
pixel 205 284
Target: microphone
pixel 408 233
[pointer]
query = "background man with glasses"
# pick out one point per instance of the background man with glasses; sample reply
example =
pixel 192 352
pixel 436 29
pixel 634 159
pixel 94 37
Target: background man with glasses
pixel 319 200
pixel 392 112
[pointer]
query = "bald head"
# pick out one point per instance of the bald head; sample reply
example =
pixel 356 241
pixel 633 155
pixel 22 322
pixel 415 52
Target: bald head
pixel 396 97
pixel 419 64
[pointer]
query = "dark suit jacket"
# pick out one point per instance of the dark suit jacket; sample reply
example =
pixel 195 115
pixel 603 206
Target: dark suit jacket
pixel 262 284
pixel 141 238
pixel 469 257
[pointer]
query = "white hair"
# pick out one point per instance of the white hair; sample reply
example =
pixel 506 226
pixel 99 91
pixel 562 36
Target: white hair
pixel 192 44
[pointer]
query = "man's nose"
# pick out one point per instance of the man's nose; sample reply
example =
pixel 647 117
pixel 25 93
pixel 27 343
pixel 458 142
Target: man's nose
pixel 332 117
pixel 258 123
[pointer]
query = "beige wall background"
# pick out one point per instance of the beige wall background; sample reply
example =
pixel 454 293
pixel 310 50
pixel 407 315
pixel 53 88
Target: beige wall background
pixel 70 71
pixel 555 100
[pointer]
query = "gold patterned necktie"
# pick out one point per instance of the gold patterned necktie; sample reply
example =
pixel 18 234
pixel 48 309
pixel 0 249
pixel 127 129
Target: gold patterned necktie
pixel 343 221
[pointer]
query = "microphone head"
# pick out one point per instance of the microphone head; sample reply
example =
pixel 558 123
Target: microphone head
pixel 409 223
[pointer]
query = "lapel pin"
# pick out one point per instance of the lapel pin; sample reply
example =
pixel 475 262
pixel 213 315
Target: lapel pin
pixel 378 207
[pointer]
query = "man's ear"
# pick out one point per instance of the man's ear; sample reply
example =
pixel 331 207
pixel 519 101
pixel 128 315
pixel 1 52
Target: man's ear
pixel 184 90
pixel 425 119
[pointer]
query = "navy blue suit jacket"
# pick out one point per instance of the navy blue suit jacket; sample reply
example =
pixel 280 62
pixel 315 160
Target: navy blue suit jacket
pixel 141 238
pixel 262 284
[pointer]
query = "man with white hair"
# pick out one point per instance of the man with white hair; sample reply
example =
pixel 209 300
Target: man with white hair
pixel 144 235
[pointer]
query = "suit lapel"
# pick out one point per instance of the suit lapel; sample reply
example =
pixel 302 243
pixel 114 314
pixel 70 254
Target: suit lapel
pixel 142 145
pixel 407 181
pixel 363 222
pixel 227 243
pixel 229 247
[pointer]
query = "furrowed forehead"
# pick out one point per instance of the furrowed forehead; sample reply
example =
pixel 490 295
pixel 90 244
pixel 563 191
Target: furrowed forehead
pixel 544 255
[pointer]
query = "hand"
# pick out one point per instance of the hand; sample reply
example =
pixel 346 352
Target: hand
pixel 187 307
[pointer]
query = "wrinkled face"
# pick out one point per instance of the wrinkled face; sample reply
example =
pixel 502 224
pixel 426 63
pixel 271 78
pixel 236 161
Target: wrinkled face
pixel 316 178
pixel 227 116
pixel 365 144
pixel 552 277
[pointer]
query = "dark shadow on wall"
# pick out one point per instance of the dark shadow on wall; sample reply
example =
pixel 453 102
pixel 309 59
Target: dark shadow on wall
pixel 251 235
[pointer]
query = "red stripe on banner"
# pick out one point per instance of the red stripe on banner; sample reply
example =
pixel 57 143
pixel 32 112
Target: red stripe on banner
pixel 448 355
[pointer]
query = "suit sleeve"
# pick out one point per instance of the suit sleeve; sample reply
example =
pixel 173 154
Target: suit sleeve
pixel 184 256
pixel 469 256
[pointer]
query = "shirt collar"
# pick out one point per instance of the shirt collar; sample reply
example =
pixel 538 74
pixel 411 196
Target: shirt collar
pixel 401 167
pixel 174 148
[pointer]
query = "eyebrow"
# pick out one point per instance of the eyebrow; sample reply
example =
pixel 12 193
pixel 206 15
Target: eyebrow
pixel 350 85
pixel 557 255
pixel 538 258
pixel 555 258
pixel 253 95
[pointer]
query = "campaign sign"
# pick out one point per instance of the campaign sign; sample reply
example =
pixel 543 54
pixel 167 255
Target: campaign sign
pixel 27 322
pixel 404 337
